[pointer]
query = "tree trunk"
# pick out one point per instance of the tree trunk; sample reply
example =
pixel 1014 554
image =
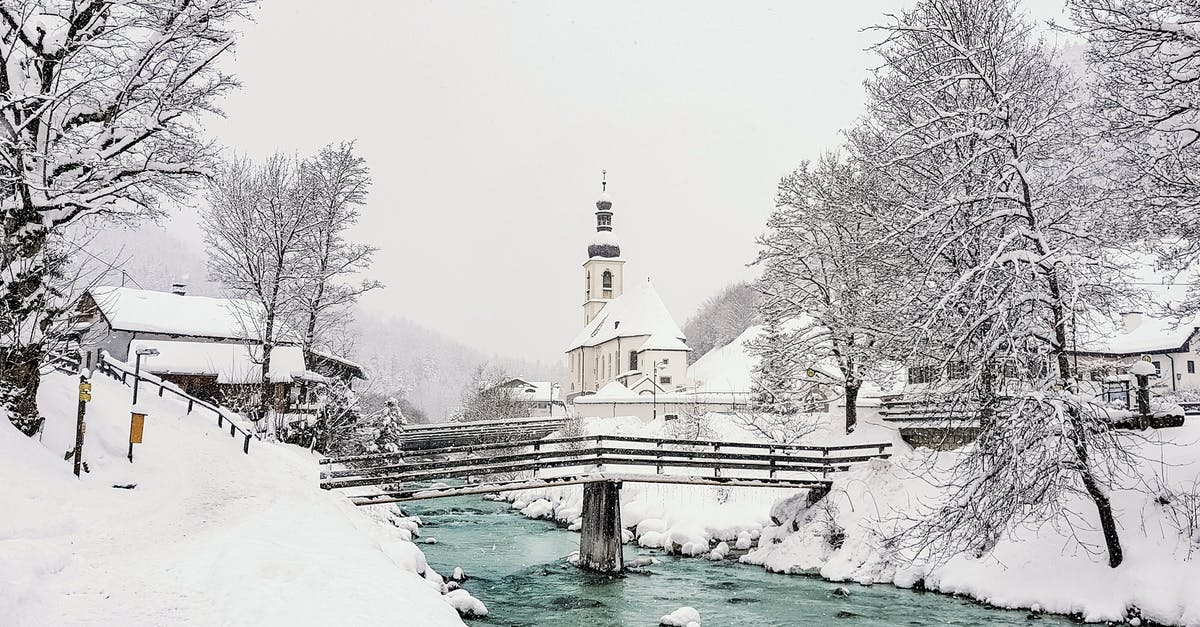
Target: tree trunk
pixel 851 408
pixel 22 321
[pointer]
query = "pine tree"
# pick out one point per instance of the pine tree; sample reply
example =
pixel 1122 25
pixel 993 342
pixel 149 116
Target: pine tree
pixel 773 389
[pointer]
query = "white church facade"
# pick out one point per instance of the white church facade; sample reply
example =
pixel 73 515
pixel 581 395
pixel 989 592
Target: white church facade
pixel 629 339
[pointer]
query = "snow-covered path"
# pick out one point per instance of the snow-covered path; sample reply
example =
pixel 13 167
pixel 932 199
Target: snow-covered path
pixel 208 536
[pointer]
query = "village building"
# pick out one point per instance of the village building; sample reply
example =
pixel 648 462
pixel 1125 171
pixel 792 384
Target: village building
pixel 538 398
pixel 206 346
pixel 628 337
pixel 1170 344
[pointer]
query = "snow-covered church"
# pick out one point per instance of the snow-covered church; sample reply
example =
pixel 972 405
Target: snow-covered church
pixel 629 339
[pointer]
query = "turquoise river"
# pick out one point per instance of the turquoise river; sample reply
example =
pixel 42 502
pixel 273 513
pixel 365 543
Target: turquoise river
pixel 516 567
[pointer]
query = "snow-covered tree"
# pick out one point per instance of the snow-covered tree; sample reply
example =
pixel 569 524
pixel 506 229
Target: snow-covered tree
pixel 99 102
pixel 976 127
pixel 822 272
pixel 255 225
pixel 1144 57
pixel 340 179
pixel 773 386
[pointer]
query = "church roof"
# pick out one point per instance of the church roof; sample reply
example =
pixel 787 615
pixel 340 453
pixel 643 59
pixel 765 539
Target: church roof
pixel 637 312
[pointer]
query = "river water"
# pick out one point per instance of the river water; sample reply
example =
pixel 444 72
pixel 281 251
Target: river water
pixel 516 567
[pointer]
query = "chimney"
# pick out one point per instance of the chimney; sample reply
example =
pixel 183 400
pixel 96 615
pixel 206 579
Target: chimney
pixel 179 289
pixel 1131 320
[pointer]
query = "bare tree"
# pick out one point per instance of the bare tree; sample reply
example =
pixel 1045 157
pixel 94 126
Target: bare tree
pixel 1145 59
pixel 976 124
pixel 485 399
pixel 98 102
pixel 340 180
pixel 822 274
pixel 255 226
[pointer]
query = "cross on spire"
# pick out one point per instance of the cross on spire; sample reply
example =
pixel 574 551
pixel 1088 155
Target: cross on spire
pixel 603 180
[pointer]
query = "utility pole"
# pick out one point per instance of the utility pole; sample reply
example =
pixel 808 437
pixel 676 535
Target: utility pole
pixel 85 395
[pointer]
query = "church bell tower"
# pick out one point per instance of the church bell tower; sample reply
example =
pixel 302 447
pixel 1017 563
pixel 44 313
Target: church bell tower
pixel 603 280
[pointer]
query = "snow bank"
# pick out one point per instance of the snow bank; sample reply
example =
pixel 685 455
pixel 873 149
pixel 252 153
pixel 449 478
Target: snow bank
pixel 843 539
pixel 682 617
pixel 203 533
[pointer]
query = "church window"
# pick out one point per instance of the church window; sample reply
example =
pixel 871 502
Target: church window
pixel 606 284
pixel 666 361
pixel 633 360
pixel 604 220
pixel 587 286
pixel 665 380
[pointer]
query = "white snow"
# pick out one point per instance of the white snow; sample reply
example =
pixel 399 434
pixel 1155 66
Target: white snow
pixel 229 363
pixel 129 309
pixel 1040 566
pixel 639 311
pixel 682 617
pixel 207 535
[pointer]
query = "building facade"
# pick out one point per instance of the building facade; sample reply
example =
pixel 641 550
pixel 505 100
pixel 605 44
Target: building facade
pixel 628 337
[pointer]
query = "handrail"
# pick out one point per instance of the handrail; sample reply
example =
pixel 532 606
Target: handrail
pixel 118 370
pixel 595 456
pixel 825 450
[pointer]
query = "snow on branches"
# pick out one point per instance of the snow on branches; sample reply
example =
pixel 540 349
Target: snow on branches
pixel 99 103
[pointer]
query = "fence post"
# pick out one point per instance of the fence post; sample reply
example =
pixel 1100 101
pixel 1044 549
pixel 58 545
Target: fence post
pixel 232 428
pixel 246 445
pixel 190 403
pixel 220 420
pixel 160 390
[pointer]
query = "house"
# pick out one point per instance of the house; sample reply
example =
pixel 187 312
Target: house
pixel 540 398
pixel 209 347
pixel 628 336
pixel 1171 345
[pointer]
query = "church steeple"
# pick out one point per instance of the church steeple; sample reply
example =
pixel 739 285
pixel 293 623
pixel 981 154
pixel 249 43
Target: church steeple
pixel 603 279
pixel 604 244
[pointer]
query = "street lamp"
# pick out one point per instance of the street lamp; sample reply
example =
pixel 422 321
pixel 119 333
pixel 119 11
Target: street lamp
pixel 654 388
pixel 137 368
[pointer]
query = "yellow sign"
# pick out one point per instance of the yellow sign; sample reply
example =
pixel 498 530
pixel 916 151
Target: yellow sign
pixel 85 397
pixel 135 428
pixel 85 392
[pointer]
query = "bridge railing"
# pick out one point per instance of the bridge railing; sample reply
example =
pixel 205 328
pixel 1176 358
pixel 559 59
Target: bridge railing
pixel 769 460
pixel 551 443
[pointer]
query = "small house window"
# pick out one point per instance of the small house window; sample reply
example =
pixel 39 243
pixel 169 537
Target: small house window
pixel 633 360
pixel 665 380
pixel 670 416
pixel 1191 367
pixel 666 361
pixel 956 370
pixel 1157 368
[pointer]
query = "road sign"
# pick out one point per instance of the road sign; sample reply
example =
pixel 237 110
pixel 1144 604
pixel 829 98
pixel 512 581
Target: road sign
pixel 85 392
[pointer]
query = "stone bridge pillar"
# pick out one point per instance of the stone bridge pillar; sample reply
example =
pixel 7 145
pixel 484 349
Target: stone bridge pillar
pixel 600 540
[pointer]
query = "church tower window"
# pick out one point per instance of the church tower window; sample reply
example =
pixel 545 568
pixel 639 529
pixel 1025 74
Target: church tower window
pixel 606 284
pixel 633 360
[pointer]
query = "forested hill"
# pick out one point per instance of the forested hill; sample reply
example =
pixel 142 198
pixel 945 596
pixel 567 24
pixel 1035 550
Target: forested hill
pixel 721 319
pixel 428 368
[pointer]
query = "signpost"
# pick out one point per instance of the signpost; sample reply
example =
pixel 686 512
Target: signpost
pixel 85 396
pixel 136 422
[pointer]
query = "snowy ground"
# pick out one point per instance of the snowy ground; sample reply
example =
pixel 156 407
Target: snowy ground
pixel 1041 568
pixel 208 535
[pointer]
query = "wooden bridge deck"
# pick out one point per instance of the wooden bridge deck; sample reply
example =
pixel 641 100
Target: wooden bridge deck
pixel 600 463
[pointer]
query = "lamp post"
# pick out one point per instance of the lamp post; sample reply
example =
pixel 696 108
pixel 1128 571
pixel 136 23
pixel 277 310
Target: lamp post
pixel 137 368
pixel 137 416
pixel 654 388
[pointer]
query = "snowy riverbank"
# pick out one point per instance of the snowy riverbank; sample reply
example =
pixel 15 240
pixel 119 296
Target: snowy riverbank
pixel 200 534
pixel 844 539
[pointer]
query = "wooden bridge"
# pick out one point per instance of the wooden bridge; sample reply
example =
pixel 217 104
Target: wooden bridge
pixel 601 463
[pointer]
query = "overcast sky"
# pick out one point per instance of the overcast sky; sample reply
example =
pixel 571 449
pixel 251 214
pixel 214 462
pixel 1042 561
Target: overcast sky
pixel 486 126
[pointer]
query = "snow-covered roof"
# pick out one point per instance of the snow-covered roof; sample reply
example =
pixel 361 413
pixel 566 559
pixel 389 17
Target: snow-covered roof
pixel 637 312
pixel 1149 334
pixel 532 391
pixel 612 390
pixel 230 363
pixel 148 311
